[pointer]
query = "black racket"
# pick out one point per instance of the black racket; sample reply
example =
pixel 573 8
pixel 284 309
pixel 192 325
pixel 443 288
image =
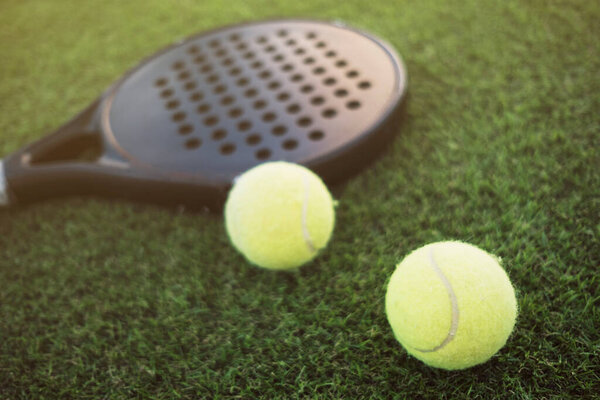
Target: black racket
pixel 180 126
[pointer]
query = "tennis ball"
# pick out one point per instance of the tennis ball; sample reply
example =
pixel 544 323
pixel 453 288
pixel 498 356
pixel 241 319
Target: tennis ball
pixel 451 305
pixel 279 215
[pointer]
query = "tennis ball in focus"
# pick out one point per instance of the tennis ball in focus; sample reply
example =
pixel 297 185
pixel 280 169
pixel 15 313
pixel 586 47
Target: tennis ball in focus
pixel 451 305
pixel 279 215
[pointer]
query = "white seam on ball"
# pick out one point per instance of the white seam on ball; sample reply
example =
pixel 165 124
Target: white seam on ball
pixel 453 302
pixel 305 233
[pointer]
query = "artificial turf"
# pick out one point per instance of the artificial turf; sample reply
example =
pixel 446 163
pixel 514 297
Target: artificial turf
pixel 500 147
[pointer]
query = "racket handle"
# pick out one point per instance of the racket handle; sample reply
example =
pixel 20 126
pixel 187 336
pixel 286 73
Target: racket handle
pixel 64 162
pixel 103 178
pixel 4 197
pixel 28 183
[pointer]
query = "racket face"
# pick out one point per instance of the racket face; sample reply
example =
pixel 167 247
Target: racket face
pixel 224 101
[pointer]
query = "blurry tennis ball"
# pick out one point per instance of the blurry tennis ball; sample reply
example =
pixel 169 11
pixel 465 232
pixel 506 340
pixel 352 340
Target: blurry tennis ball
pixel 279 215
pixel 451 305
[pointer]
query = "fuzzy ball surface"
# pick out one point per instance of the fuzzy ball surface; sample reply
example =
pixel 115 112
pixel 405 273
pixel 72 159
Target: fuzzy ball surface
pixel 451 305
pixel 279 215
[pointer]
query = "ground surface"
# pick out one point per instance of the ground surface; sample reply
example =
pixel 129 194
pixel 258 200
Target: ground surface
pixel 500 148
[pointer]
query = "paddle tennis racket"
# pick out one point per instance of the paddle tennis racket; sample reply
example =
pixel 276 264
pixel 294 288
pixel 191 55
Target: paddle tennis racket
pixel 179 127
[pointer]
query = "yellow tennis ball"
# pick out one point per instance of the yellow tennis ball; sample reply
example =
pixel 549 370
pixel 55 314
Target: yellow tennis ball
pixel 279 215
pixel 451 305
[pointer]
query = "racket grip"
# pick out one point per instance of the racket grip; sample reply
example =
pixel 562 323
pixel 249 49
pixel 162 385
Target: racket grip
pixel 105 178
pixel 21 182
pixel 4 197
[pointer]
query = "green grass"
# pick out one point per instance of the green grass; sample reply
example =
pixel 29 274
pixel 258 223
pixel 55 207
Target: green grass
pixel 500 148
